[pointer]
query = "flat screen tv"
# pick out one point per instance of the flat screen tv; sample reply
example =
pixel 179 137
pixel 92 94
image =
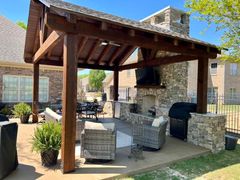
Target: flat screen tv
pixel 147 76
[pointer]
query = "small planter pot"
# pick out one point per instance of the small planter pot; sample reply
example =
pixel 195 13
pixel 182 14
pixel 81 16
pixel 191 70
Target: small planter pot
pixel 49 158
pixel 24 119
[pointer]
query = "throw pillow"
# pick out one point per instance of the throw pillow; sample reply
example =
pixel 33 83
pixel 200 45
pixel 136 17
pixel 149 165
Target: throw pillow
pixel 156 122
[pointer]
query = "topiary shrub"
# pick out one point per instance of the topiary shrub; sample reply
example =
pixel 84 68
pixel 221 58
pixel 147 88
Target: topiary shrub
pixel 47 142
pixel 22 111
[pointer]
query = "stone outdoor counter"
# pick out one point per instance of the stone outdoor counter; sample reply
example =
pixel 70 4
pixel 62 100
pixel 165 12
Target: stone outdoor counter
pixel 125 109
pixel 207 130
pixel 136 118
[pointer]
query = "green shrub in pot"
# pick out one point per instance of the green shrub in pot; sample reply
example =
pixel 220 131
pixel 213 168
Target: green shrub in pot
pixel 47 142
pixel 22 111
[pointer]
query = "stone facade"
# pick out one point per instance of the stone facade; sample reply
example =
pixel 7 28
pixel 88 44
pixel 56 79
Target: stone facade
pixel 171 19
pixel 174 78
pixel 207 130
pixel 55 79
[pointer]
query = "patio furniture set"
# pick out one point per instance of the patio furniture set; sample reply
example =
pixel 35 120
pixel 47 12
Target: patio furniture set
pixel 98 140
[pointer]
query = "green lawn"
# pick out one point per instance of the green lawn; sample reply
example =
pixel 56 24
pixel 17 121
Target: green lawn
pixel 224 165
pixel 224 108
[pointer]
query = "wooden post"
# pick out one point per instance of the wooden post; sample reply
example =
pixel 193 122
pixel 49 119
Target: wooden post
pixel 35 93
pixel 115 85
pixel 202 85
pixel 69 102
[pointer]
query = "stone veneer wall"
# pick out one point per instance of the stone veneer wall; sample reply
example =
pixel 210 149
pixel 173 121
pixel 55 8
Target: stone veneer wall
pixel 174 76
pixel 55 79
pixel 207 130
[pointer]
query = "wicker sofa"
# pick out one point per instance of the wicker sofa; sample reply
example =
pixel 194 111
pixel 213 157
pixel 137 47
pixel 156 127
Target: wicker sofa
pixel 50 115
pixel 149 136
pixel 98 141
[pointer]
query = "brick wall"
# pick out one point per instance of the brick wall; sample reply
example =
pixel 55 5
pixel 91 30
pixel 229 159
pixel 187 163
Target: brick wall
pixel 55 79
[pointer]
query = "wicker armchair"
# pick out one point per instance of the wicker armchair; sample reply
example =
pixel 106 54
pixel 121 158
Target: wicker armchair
pixel 98 141
pixel 148 136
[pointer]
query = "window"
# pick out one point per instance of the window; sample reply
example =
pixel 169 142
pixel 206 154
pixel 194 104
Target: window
pixel 212 91
pixel 233 69
pixel 213 69
pixel 19 88
pixel 233 94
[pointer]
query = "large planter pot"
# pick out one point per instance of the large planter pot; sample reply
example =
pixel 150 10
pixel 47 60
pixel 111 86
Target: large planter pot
pixel 49 158
pixel 24 119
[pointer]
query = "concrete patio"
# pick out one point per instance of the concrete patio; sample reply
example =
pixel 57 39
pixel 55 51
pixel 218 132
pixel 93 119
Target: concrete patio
pixel 30 163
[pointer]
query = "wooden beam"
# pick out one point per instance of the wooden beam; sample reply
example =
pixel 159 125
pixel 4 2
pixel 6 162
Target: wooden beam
pixel 128 52
pixel 148 53
pixel 158 62
pixel 117 35
pixel 103 54
pixel 104 26
pixel 80 65
pixel 115 85
pixel 116 54
pixel 48 44
pixel 69 102
pixel 82 44
pixel 35 103
pixel 202 85
pixel 93 50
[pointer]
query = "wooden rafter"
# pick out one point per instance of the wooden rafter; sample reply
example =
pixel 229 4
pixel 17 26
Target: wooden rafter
pixel 158 62
pixel 129 50
pixel 103 54
pixel 93 50
pixel 50 43
pixel 116 35
pixel 81 45
pixel 115 55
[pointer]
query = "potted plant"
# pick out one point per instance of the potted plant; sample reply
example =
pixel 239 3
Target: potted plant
pixel 47 142
pixel 22 111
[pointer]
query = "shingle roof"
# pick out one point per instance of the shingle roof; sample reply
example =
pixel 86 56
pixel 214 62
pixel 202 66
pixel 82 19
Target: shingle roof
pixel 59 4
pixel 12 40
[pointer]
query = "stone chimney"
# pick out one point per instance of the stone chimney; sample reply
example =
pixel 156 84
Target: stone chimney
pixel 171 19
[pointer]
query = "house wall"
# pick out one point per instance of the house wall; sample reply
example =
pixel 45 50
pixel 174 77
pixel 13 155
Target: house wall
pixel 231 81
pixel 55 79
pixel 223 80
pixel 217 80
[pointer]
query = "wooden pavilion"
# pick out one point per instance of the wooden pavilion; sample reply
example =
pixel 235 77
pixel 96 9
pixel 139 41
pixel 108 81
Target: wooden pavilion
pixel 63 34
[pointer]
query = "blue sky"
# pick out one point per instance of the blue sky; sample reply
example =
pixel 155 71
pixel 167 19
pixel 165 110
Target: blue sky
pixel 17 10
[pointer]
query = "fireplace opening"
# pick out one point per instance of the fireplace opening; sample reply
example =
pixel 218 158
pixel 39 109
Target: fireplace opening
pixel 149 103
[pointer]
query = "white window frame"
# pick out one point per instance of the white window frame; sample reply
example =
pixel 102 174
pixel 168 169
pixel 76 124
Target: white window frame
pixel 213 71
pixel 18 90
pixel 233 95
pixel 232 69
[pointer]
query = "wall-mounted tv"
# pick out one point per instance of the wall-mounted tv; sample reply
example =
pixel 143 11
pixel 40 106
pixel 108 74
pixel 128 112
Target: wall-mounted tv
pixel 147 76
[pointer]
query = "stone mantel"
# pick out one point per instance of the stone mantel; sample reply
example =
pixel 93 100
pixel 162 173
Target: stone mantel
pixel 207 130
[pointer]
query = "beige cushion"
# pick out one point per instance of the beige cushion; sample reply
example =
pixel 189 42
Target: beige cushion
pixel 158 121
pixel 51 114
pixel 99 126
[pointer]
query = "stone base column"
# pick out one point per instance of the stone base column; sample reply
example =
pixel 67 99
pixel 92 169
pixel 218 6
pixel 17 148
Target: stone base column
pixel 207 130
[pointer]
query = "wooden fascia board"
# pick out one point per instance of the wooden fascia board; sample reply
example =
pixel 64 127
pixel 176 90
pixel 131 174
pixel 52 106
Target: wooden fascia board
pixel 59 23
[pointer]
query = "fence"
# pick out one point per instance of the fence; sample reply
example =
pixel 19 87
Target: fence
pixel 228 105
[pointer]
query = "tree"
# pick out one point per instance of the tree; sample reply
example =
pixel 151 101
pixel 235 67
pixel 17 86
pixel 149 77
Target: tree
pixel 95 79
pixel 22 24
pixel 226 15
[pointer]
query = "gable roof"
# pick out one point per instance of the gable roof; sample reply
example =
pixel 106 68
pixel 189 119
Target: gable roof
pixel 83 11
pixel 103 41
pixel 12 38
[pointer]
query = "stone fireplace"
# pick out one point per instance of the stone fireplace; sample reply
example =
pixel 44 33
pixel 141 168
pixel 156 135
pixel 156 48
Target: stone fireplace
pixel 148 102
pixel 174 78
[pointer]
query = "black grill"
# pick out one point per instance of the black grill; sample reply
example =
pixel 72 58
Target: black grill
pixel 179 114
